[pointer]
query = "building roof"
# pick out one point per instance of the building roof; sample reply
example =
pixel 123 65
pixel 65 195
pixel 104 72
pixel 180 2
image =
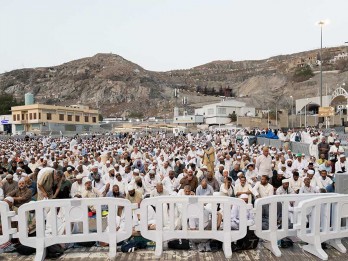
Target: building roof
pixel 54 107
pixel 228 103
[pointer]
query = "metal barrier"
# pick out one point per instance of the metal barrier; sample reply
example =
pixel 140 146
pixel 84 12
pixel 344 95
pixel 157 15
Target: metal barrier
pixel 275 143
pixel 299 147
pixel 327 222
pixel 6 216
pixel 74 211
pixel 277 208
pixel 192 207
pixel 296 147
pixel 263 141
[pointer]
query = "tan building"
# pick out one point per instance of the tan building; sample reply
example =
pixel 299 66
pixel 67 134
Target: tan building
pixel 41 117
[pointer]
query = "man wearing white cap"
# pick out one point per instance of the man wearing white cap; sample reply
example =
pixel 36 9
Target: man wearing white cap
pixel 89 191
pixel 9 184
pixel 235 218
pixel 324 180
pixel 133 195
pixel 78 187
pixel 105 168
pixel 295 182
pixel 19 174
pixel 285 189
pixel 335 151
pixel 9 201
pixel 313 180
pixel 307 188
pixel 341 166
pixel 171 184
pixel 45 183
pixel 21 195
pixel 243 188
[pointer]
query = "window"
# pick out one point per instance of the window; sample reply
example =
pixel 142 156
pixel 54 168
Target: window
pixel 94 119
pixel 77 118
pixel 211 111
pixel 86 119
pixel 221 111
pixel 61 117
pixel 30 116
pixel 34 115
pixel 49 116
pixel 69 117
pixel 22 117
pixel 14 117
pixel 18 117
pixel 39 115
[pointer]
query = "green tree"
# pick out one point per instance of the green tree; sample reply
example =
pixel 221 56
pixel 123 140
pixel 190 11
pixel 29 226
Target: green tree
pixel 233 117
pixel 100 117
pixel 8 101
pixel 302 74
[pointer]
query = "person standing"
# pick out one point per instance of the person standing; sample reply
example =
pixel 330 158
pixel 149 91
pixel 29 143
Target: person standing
pixel 209 156
pixel 45 184
pixel 324 148
pixel 264 163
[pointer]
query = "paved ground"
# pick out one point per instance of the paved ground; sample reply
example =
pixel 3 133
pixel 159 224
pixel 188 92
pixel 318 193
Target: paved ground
pixel 100 254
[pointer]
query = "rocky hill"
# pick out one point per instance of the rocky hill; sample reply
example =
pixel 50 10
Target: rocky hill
pixel 119 87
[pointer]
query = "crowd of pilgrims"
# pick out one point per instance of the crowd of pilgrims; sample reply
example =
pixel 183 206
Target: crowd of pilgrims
pixel 136 167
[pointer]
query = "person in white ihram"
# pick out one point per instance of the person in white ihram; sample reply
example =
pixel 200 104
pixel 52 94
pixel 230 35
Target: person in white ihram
pixel 235 218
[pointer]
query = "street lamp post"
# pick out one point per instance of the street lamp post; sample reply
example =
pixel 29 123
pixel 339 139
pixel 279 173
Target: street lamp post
pixel 306 113
pixel 292 108
pixel 321 24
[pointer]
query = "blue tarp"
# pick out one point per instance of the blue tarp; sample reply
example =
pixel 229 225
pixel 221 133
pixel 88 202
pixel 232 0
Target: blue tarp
pixel 269 135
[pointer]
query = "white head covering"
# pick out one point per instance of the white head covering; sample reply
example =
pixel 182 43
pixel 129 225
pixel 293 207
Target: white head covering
pixel 285 181
pixel 9 199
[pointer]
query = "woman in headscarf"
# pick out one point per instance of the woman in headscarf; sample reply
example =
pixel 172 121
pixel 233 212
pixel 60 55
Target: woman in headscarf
pixel 209 156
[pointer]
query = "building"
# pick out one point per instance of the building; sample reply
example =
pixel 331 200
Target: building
pixel 188 119
pixel 5 124
pixel 41 117
pixel 218 113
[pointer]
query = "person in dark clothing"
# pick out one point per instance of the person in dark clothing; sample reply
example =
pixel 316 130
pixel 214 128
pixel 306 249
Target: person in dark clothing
pixel 236 169
pixel 324 148
pixel 25 167
pixel 276 181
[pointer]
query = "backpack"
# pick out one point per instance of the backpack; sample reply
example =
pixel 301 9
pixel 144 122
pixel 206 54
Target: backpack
pixel 179 244
pixel 286 243
pixel 25 250
pixel 297 137
pixel 129 247
pixel 250 241
pixel 86 244
pixel 54 251
pixel 215 245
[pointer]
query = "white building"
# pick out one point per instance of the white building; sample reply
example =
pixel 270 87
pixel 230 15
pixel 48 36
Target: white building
pixel 218 113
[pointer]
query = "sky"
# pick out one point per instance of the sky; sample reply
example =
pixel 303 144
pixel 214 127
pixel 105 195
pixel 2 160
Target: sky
pixel 161 35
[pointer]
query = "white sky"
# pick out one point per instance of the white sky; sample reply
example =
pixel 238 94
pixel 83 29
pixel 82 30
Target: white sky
pixel 164 34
